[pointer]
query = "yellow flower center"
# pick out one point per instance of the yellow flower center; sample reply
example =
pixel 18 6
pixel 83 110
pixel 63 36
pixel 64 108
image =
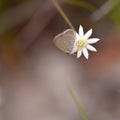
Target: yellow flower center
pixel 81 43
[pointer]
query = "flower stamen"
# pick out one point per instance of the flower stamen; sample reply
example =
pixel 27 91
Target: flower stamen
pixel 82 43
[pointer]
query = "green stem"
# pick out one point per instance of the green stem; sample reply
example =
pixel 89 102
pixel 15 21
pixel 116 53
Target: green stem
pixel 77 102
pixel 62 13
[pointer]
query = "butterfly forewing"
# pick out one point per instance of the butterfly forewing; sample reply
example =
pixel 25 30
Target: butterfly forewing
pixel 65 40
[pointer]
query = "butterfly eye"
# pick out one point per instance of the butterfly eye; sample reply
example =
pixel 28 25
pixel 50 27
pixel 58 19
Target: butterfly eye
pixel 65 40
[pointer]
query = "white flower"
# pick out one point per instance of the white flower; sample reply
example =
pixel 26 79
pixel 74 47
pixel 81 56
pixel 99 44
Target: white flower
pixel 82 43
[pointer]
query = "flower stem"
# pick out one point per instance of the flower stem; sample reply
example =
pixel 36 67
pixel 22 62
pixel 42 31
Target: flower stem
pixel 77 102
pixel 62 13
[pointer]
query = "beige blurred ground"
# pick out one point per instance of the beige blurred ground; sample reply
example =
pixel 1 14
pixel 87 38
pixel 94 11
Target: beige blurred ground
pixel 34 72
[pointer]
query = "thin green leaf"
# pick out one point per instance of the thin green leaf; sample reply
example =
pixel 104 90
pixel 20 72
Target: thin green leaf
pixel 114 13
pixel 80 4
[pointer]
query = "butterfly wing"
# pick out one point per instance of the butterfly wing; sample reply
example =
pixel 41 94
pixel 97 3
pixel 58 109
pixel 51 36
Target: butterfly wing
pixel 65 40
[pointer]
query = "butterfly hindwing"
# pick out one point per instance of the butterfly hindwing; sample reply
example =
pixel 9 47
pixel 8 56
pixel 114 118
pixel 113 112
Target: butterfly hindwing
pixel 65 40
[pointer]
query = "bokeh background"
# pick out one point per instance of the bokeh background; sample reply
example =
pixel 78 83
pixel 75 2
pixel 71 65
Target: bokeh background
pixel 33 72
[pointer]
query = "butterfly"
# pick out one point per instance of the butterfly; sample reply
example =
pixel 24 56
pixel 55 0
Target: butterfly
pixel 65 40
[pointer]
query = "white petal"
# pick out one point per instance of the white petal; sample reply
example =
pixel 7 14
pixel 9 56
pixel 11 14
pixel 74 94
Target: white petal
pixel 91 48
pixel 74 49
pixel 88 34
pixel 77 36
pixel 85 53
pixel 81 32
pixel 79 53
pixel 93 40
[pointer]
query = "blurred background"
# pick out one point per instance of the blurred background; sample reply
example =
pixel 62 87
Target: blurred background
pixel 33 72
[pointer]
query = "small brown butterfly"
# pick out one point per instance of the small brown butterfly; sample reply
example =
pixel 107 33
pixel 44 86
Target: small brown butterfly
pixel 65 40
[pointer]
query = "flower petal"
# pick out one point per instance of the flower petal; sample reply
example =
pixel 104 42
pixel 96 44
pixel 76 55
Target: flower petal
pixel 88 34
pixel 93 40
pixel 74 49
pixel 91 48
pixel 81 32
pixel 77 36
pixel 79 53
pixel 85 53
